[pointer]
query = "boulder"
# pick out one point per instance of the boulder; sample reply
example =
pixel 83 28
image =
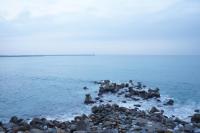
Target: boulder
pixel 88 99
pixel 83 125
pixel 196 118
pixel 169 102
pixel 153 93
pixel 85 88
pixel 153 110
pixel 35 130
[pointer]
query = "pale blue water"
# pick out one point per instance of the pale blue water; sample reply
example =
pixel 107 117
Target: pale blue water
pixel 52 86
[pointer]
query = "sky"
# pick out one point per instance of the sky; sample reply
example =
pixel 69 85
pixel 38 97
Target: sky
pixel 100 27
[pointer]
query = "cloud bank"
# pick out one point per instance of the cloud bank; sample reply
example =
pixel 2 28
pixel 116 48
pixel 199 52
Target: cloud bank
pixel 77 26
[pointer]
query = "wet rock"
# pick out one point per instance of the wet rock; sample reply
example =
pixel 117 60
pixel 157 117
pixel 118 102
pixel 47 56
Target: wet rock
pixel 139 85
pixel 83 125
pixel 196 118
pixel 51 130
pixel 110 131
pixel 97 98
pixel 179 121
pixel 88 99
pixel 153 93
pixel 169 102
pixel 2 130
pixel 153 110
pixel 101 101
pixel 85 88
pixel 188 128
pixel 35 130
pixel 37 123
pixel 14 119
pixel 123 101
pixel 137 105
pixel 80 132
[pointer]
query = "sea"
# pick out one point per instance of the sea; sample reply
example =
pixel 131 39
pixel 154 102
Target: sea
pixel 52 86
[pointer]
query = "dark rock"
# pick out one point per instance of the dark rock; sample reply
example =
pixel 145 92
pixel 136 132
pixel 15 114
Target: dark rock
pixel 85 88
pixel 153 110
pixel 197 110
pixel 2 130
pixel 35 130
pixel 196 118
pixel 139 85
pixel 80 132
pixel 188 128
pixel 110 131
pixel 97 98
pixel 137 105
pixel 37 123
pixel 123 101
pixel 88 99
pixel 95 109
pixel 83 125
pixel 169 102
pixel 153 93
pixel 179 121
pixel 14 119
pixel 101 101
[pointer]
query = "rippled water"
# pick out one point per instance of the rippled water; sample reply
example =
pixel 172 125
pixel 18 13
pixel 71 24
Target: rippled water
pixel 52 86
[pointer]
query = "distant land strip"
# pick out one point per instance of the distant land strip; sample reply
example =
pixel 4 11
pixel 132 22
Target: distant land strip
pixel 47 55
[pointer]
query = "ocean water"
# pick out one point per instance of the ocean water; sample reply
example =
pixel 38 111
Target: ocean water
pixel 52 86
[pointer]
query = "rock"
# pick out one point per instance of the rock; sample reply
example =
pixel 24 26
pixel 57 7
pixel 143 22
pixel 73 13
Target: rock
pixel 188 128
pixel 51 130
pixel 58 130
pixel 179 121
pixel 72 127
pixel 123 101
pixel 195 118
pixel 197 110
pixel 80 132
pixel 97 98
pixel 153 93
pixel 83 125
pixel 35 130
pixel 95 109
pixel 169 102
pixel 1 130
pixel 88 99
pixel 153 110
pixel 9 127
pixel 85 88
pixel 137 105
pixel 139 85
pixel 14 119
pixel 137 128
pixel 110 131
pixel 37 123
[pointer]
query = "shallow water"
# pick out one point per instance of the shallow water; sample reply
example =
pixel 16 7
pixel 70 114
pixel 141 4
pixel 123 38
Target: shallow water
pixel 52 86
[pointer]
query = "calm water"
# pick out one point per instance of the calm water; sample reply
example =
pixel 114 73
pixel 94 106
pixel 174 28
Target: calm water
pixel 52 86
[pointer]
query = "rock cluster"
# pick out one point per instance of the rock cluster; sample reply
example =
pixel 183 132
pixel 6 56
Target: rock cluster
pixel 111 118
pixel 130 90
pixel 107 119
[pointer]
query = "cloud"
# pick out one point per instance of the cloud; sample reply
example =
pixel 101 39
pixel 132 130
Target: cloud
pixel 12 9
pixel 54 25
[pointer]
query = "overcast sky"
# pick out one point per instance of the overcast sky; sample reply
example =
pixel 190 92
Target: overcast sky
pixel 99 26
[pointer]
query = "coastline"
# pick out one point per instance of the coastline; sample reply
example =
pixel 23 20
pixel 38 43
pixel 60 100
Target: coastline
pixel 108 117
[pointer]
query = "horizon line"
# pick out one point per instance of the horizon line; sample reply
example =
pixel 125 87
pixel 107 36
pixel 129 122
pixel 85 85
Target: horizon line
pixel 40 55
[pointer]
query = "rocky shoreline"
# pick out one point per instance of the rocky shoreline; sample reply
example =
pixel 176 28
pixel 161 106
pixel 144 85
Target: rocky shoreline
pixel 110 117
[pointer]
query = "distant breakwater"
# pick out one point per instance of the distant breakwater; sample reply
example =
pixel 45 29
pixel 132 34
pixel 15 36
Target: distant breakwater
pixel 47 55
